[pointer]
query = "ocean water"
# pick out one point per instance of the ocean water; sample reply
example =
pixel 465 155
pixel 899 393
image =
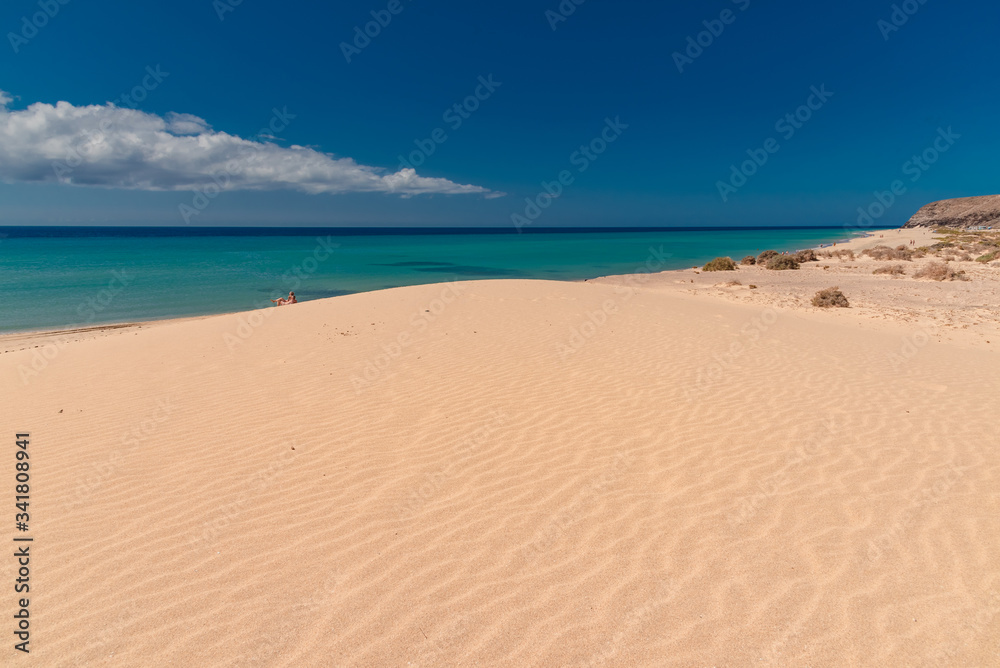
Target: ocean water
pixel 54 278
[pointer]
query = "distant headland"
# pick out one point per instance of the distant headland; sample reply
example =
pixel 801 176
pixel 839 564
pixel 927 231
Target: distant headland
pixel 963 212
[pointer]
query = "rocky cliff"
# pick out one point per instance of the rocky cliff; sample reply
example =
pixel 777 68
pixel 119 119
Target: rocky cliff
pixel 962 212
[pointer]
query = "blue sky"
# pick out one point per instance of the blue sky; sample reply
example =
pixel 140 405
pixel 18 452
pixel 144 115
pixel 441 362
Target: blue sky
pixel 891 90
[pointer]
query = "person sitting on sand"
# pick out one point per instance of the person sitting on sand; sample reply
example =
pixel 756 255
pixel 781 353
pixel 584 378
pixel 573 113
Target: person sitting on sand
pixel 290 299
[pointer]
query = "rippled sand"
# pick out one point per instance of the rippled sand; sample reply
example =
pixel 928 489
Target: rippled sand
pixel 534 474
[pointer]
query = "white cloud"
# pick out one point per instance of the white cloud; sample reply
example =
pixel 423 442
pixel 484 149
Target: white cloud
pixel 113 147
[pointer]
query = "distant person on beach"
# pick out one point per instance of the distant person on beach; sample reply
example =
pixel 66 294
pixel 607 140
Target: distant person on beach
pixel 290 299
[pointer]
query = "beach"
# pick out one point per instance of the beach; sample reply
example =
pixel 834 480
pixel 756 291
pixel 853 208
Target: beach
pixel 653 469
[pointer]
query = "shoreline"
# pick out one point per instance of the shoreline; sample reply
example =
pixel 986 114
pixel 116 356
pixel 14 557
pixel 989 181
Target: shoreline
pixel 34 334
pixel 675 448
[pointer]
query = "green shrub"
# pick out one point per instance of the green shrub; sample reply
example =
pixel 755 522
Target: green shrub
pixel 720 264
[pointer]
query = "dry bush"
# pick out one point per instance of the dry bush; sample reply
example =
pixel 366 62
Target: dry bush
pixel 886 253
pixel 752 286
pixel 782 262
pixel 939 271
pixel 808 255
pixel 749 259
pixel 893 269
pixel 720 264
pixel 829 298
pixel 964 257
pixel 840 253
pixel 730 284
pixel 989 257
pixel 766 255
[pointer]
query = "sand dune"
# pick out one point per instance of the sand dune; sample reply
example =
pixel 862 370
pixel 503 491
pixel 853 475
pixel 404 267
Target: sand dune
pixel 513 473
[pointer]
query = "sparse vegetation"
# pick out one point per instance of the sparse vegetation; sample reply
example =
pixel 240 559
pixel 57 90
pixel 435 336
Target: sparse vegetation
pixel 766 255
pixel 840 254
pixel 749 259
pixel 782 262
pixel 830 298
pixel 720 264
pixel 752 286
pixel 893 269
pixel 940 271
pixel 964 245
pixel 808 255
pixel 885 253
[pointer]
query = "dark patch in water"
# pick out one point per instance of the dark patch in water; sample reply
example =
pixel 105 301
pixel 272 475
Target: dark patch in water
pixel 466 270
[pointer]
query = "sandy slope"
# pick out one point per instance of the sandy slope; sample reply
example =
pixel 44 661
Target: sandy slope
pixel 540 474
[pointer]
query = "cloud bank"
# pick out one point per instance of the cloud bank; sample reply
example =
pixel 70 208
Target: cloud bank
pixel 114 147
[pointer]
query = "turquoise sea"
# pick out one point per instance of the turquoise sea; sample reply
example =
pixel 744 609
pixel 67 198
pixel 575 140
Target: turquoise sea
pixel 55 278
